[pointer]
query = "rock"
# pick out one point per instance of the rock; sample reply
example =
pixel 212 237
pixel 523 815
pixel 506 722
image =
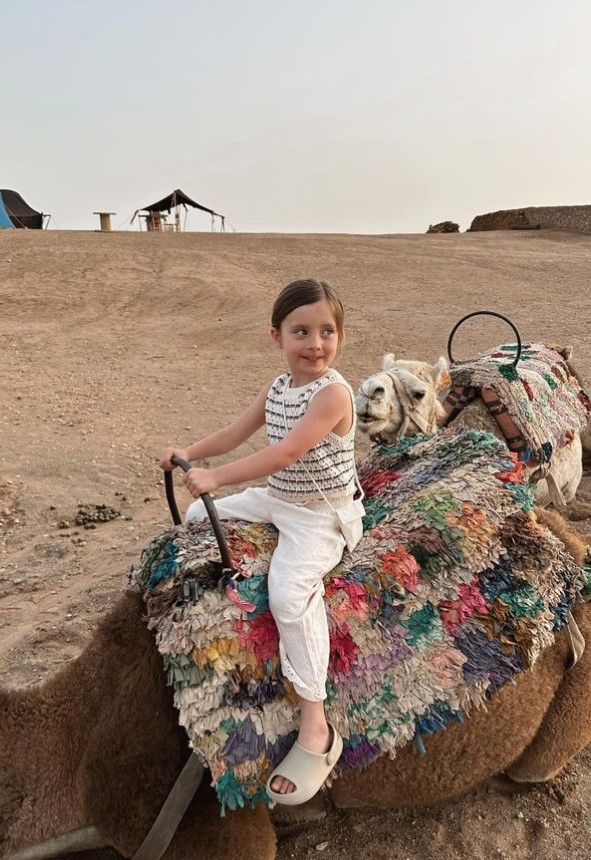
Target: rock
pixel 444 227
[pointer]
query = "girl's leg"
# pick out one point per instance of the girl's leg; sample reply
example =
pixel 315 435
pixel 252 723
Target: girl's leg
pixel 314 735
pixel 310 545
pixel 251 505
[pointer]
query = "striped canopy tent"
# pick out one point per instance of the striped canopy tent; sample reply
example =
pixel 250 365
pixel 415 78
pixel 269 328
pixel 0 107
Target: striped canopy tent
pixel 15 212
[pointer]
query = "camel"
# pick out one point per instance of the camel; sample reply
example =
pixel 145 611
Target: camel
pixel 93 753
pixel 88 758
pixel 405 398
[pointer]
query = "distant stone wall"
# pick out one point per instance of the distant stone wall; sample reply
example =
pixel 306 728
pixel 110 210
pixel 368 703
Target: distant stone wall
pixel 536 217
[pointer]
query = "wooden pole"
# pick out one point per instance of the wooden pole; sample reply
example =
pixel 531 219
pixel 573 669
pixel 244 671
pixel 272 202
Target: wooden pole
pixel 105 218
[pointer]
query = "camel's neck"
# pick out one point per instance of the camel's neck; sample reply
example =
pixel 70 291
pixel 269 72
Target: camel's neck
pixel 56 739
pixel 39 750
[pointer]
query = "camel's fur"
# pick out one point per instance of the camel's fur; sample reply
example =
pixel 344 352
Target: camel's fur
pixel 577 544
pixel 380 414
pixel 99 745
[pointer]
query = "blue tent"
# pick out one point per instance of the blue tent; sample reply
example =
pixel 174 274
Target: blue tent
pixel 5 222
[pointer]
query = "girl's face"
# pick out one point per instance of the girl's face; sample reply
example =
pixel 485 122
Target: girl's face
pixel 310 340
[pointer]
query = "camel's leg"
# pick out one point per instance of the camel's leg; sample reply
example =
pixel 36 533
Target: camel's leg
pixel 566 727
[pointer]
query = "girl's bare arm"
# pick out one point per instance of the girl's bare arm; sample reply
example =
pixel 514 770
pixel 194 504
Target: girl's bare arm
pixel 327 409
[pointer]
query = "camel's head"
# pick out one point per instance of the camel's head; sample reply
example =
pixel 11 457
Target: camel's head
pixel 402 400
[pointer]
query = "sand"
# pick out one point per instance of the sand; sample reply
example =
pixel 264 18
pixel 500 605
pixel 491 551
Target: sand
pixel 116 344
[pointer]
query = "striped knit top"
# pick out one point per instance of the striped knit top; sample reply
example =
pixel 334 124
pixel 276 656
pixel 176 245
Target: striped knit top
pixel 329 465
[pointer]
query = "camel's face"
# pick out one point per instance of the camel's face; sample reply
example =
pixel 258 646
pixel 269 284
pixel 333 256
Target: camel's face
pixel 401 400
pixel 378 407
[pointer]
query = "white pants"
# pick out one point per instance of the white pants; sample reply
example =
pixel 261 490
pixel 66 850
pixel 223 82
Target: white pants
pixel 310 544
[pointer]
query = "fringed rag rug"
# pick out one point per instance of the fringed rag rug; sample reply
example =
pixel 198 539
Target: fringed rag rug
pixel 454 589
pixel 545 401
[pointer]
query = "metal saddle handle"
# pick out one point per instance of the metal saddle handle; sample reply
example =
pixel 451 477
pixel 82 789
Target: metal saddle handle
pixel 209 507
pixel 490 314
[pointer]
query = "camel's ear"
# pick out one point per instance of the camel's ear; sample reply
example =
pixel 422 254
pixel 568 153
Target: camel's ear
pixel 440 373
pixel 388 360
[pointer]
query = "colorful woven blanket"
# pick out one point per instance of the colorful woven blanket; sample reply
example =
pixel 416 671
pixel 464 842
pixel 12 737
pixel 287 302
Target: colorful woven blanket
pixel 453 590
pixel 545 401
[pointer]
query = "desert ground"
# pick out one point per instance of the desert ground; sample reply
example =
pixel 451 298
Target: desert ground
pixel 114 345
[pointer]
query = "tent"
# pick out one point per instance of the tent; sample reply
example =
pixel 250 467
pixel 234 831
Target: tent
pixel 14 212
pixel 5 222
pixel 173 201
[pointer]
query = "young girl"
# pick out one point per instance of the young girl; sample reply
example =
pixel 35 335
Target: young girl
pixel 309 497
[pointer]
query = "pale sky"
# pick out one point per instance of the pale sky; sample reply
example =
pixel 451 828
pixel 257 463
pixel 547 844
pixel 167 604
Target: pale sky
pixel 374 116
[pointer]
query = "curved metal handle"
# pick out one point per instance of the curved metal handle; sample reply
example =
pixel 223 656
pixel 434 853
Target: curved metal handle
pixel 209 507
pixel 490 314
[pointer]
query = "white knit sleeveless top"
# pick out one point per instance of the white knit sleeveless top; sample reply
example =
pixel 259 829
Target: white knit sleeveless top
pixel 329 465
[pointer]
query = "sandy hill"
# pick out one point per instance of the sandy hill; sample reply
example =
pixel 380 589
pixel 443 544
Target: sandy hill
pixel 115 344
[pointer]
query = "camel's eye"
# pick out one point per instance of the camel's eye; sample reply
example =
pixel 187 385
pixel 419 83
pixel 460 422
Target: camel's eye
pixel 418 395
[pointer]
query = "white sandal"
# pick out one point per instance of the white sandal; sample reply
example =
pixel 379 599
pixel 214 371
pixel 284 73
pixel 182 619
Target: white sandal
pixel 307 770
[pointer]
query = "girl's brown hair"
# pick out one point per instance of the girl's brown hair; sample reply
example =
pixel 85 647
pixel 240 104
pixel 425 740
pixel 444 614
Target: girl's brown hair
pixel 306 292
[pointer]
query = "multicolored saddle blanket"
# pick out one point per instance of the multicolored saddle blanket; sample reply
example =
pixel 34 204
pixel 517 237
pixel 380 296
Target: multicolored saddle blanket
pixel 546 403
pixel 454 589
